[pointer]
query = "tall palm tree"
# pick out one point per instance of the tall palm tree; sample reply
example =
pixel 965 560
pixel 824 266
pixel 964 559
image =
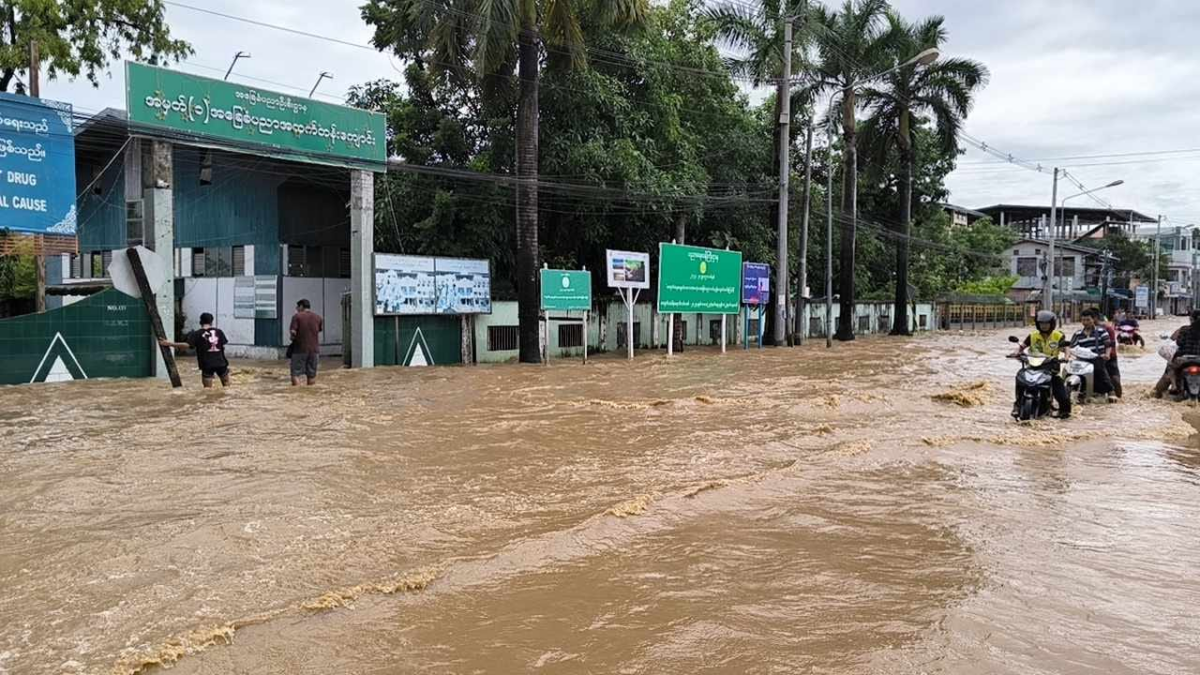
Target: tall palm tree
pixel 852 45
pixel 757 34
pixel 943 91
pixel 503 38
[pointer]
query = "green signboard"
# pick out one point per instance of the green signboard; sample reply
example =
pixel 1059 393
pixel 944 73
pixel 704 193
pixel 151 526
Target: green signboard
pixel 695 279
pixel 566 290
pixel 297 128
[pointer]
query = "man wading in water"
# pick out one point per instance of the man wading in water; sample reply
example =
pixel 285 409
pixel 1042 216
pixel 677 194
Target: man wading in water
pixel 209 343
pixel 306 343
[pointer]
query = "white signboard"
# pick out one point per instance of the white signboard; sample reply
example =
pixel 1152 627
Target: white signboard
pixel 627 269
pixel 416 285
pixel 266 297
pixel 1143 297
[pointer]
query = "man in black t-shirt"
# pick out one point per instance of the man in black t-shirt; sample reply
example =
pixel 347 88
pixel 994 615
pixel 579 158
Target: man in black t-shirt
pixel 209 343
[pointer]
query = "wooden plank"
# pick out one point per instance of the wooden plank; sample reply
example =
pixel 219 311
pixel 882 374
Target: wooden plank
pixel 139 273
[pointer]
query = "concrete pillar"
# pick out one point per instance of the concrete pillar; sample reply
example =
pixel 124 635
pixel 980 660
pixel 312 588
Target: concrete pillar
pixel 362 269
pixel 159 204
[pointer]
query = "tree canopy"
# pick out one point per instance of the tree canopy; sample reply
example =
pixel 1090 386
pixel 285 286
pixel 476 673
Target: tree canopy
pixel 83 37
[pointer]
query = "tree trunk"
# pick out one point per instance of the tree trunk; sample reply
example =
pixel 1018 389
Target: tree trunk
pixel 680 238
pixel 845 329
pixel 527 198
pixel 900 310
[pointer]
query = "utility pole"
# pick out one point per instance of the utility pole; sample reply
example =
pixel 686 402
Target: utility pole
pixel 1048 295
pixel 35 90
pixel 785 169
pixel 1104 282
pixel 1155 261
pixel 800 328
pixel 829 240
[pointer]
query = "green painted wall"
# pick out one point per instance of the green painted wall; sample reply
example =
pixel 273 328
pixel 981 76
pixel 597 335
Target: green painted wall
pixel 442 334
pixel 105 335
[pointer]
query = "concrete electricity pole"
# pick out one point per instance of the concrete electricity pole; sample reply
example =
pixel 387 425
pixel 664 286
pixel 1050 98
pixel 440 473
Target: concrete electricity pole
pixel 1048 294
pixel 35 90
pixel 781 248
pixel 801 301
pixel 1155 261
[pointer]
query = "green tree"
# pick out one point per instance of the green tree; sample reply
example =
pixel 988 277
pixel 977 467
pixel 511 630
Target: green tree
pixel 83 36
pixel 943 90
pixel 498 40
pixel 852 44
pixel 18 271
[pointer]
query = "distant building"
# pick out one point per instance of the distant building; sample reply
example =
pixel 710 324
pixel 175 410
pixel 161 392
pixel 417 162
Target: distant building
pixel 1073 222
pixel 961 216
pixel 1181 245
pixel 1076 270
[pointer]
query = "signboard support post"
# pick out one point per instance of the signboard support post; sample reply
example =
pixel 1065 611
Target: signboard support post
pixel 722 333
pixel 671 334
pixel 761 314
pixel 585 336
pixel 139 273
pixel 631 296
pixel 40 262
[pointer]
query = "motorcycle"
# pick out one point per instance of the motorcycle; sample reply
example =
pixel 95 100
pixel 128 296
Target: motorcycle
pixel 1128 335
pixel 1079 373
pixel 1035 376
pixel 1187 378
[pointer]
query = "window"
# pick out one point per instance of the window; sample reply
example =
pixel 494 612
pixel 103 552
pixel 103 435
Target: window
pixel 1174 275
pixel 864 323
pixel 218 261
pixel 1064 267
pixel 135 222
pixel 502 338
pixel 1027 267
pixel 885 323
pixel 623 333
pixel 96 265
pixel 923 321
pixel 76 266
pixel 714 331
pixel 295 261
pixel 344 263
pixel 239 261
pixel 816 327
pixel 105 261
pixel 570 335
pixel 197 262
pixel 314 262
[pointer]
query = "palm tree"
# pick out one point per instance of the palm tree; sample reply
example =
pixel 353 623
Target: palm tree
pixel 757 34
pixel 852 44
pixel 944 91
pixel 500 39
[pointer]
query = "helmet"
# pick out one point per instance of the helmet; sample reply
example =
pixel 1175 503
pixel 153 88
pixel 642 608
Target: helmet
pixel 1046 316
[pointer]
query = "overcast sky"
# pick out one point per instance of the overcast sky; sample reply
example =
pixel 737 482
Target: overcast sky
pixel 1068 78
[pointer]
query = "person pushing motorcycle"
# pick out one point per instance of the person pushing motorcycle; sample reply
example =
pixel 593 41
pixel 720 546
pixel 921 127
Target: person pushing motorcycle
pixel 1046 340
pixel 1188 340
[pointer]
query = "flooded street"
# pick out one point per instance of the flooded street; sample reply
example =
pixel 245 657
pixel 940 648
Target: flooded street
pixel 774 511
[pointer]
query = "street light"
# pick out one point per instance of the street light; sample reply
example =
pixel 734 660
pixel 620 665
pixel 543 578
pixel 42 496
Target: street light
pixel 1053 272
pixel 924 58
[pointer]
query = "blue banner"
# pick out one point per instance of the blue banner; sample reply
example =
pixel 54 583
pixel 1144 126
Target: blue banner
pixel 37 165
pixel 756 283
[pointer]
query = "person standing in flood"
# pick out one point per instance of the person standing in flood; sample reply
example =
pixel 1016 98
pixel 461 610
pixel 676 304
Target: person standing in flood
pixel 306 330
pixel 209 343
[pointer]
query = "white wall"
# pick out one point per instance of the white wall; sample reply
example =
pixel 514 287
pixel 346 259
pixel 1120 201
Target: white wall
pixel 215 295
pixel 326 298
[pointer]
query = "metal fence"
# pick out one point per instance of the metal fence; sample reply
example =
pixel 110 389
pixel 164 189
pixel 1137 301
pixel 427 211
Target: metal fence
pixel 976 316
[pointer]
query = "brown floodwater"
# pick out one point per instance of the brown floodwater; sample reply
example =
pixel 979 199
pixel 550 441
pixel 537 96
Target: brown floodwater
pixel 773 511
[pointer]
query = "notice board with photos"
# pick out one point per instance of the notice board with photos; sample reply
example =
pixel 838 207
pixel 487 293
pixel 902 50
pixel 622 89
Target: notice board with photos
pixel 424 285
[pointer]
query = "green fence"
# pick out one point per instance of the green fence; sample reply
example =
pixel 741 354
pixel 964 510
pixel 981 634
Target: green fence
pixel 105 335
pixel 418 340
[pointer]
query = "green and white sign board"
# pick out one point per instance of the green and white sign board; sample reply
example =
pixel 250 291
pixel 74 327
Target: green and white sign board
pixel 700 280
pixel 293 127
pixel 566 290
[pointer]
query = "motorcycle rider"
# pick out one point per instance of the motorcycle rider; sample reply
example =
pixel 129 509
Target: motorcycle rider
pixel 1114 371
pixel 1046 340
pixel 1126 321
pixel 1094 337
pixel 1188 340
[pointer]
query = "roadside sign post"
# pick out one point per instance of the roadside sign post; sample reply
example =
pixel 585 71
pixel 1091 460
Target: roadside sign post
pixel 628 272
pixel 568 291
pixel 693 279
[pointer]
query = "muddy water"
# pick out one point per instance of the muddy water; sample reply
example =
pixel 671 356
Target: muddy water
pixel 776 511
